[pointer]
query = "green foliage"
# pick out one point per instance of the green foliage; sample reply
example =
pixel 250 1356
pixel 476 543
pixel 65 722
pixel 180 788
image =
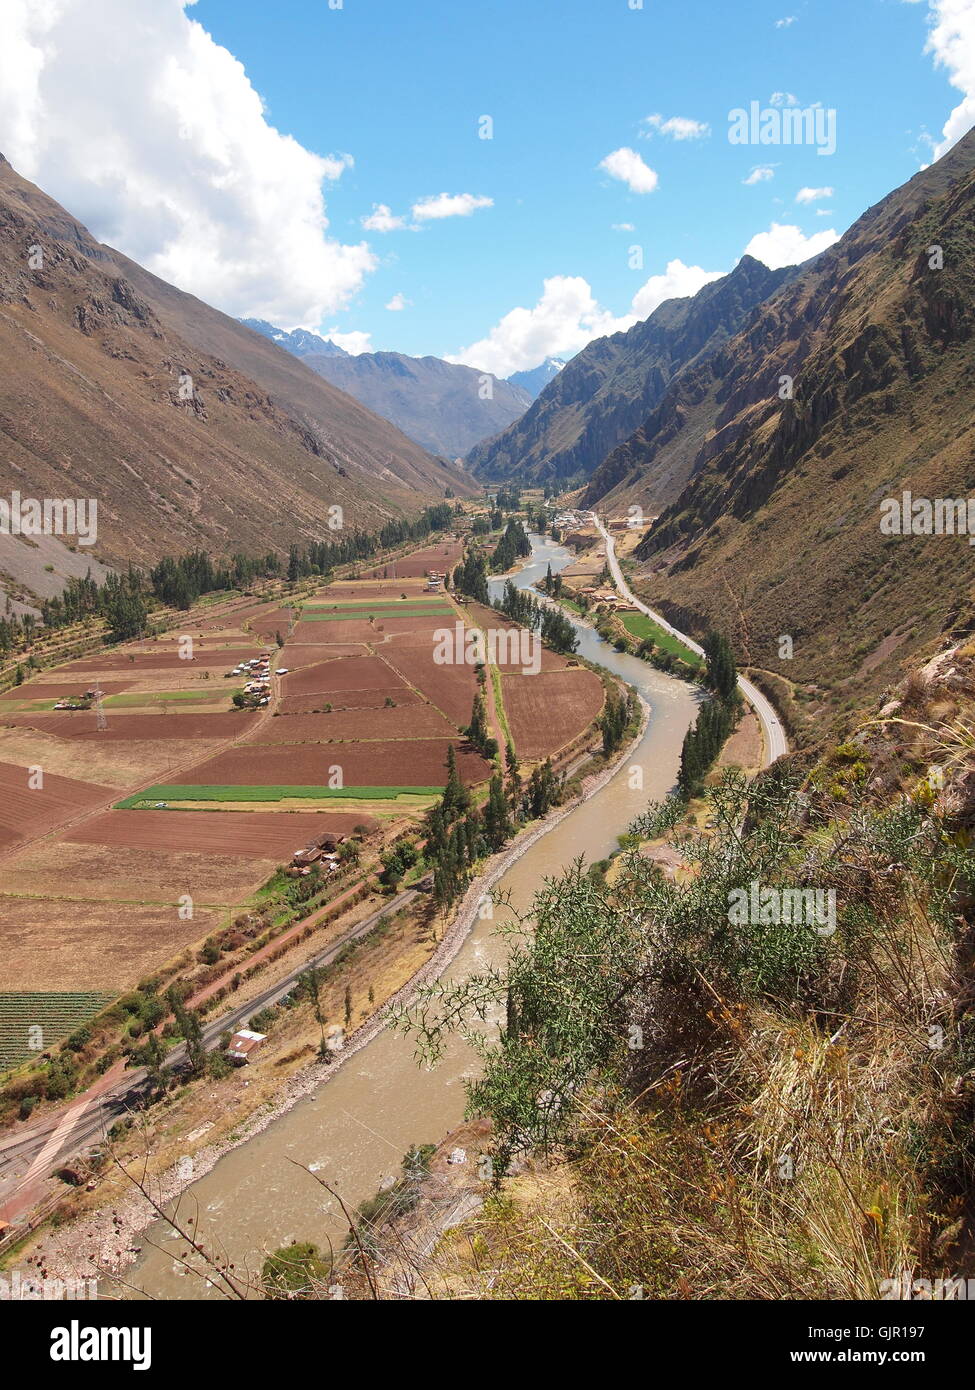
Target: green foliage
pixel 294 1270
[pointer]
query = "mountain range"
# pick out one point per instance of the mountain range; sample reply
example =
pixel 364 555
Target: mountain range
pixel 852 384
pixel 447 408
pixel 187 427
pixel 601 396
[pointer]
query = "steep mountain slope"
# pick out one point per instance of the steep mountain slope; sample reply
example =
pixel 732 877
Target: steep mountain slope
pixel 186 427
pixel 537 378
pixel 444 407
pixel 778 532
pixel 601 396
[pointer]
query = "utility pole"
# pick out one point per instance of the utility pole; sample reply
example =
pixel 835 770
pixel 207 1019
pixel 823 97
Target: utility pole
pixel 101 719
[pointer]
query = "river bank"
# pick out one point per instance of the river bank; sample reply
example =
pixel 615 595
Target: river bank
pixel 107 1236
pixel 355 1129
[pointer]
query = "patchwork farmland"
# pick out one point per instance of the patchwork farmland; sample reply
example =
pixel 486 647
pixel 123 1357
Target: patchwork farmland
pixel 217 752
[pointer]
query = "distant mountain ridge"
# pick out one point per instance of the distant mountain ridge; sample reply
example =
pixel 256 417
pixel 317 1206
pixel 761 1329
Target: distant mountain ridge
pixel 189 429
pixel 299 341
pixel 853 383
pixel 537 378
pixel 447 408
pixel 603 394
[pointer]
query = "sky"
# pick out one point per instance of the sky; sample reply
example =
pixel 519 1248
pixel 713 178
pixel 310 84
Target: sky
pixel 490 182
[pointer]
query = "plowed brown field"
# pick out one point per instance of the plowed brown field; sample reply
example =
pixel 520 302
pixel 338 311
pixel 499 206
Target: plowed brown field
pixel 548 710
pixel 250 834
pixel 347 673
pixel 27 812
pixel 405 721
pixel 450 688
pixel 405 764
pixel 137 727
pixel 351 699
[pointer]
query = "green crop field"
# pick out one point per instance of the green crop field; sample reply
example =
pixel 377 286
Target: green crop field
pixel 55 1015
pixel 147 800
pixel 640 626
pixel 163 697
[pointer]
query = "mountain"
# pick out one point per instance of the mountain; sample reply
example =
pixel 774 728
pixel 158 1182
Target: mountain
pixel 601 396
pixel 538 377
pixel 777 534
pixel 299 340
pixel 187 427
pixel 445 407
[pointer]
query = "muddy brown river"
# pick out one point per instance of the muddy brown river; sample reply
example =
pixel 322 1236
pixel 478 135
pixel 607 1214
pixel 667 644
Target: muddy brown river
pixel 355 1128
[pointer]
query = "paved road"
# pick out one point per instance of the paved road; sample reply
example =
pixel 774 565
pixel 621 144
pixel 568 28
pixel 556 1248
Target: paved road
pixel 774 735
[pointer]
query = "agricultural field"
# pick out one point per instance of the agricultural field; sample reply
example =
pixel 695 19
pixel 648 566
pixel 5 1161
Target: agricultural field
pixel 546 711
pixel 638 625
pixel 56 1015
pixel 181 794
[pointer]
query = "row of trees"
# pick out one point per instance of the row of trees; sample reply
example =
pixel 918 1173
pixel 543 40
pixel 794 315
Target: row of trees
pixel 615 719
pixel 459 833
pixel 554 627
pixel 180 580
pixel 513 545
pixel 703 743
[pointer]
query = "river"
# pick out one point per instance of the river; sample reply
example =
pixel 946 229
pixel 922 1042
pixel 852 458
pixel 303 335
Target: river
pixel 355 1128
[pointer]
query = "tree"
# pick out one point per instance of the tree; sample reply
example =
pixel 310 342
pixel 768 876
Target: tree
pixel 188 1023
pixel 497 818
pixel 311 981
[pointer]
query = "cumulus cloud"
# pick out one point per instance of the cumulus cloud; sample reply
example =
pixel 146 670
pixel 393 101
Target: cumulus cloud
pixel 785 245
pixel 353 342
pixel 627 166
pixel 449 205
pixel 381 219
pixel 677 127
pixel 760 174
pixel 810 195
pixel 784 23
pixel 952 42
pixel 397 303
pixel 567 317
pixel 131 115
pixel 676 282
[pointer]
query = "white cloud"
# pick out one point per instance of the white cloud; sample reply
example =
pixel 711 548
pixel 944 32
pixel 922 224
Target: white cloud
pixel 824 212
pixel 952 41
pixel 783 99
pixel 623 227
pixel 784 245
pixel 353 343
pixel 567 317
pixel 449 205
pixel 678 127
pixel 760 174
pixel 131 115
pixel 627 166
pixel 382 219
pixel 786 22
pixel 397 303
pixel 677 281
pixel 810 195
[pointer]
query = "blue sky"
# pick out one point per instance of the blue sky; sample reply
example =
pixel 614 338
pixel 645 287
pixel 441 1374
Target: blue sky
pixel 400 87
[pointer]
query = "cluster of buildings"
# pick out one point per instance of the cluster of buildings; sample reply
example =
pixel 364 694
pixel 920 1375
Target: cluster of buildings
pixel 609 598
pixel 436 582
pixel 323 851
pixel 259 671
